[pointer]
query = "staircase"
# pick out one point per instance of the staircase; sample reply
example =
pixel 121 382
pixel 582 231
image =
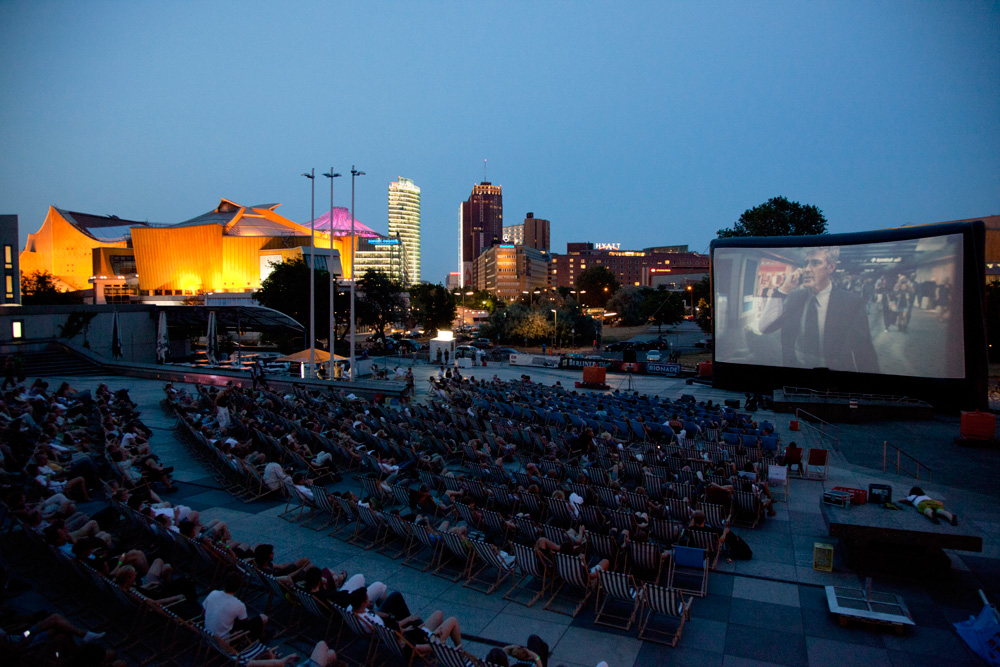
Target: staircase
pixel 57 362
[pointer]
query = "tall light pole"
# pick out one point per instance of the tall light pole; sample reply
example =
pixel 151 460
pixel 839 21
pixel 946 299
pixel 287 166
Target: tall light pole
pixel 555 329
pixel 465 311
pixel 354 278
pixel 312 273
pixel 333 278
pixel 691 291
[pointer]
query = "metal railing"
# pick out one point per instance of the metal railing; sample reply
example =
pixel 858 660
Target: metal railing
pixel 825 429
pixel 902 461
pixel 802 392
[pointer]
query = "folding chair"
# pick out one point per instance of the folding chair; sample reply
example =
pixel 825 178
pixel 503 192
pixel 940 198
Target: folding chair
pixel 529 567
pixel 395 644
pixel 490 560
pixel 370 520
pixel 750 510
pixel 818 458
pixel 666 602
pixel 603 546
pixel 571 570
pixel 689 571
pixel 454 548
pixel 647 559
pixel 777 479
pixel 358 631
pixel 427 539
pixel 708 540
pixel 616 588
pixel 448 656
pixel 793 457
pixel 716 515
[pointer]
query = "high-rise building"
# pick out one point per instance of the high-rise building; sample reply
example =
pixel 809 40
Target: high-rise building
pixel 404 224
pixel 641 268
pixel 11 292
pixel 533 232
pixel 506 270
pixel 480 225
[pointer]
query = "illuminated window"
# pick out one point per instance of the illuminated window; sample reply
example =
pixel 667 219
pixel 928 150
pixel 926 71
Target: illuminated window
pixel 10 287
pixel 8 257
pixel 17 329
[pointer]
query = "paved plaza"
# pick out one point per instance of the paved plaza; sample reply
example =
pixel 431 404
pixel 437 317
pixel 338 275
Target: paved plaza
pixel 770 610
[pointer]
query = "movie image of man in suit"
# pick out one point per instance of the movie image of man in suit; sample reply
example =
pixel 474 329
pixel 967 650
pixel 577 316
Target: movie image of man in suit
pixel 820 324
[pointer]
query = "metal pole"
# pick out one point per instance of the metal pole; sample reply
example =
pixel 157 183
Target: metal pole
pixel 333 280
pixel 354 277
pixel 312 273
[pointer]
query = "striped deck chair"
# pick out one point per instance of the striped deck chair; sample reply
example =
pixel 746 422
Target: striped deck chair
pixel 357 630
pixel 528 567
pixel 371 487
pixel 454 554
pixel 666 602
pixel 707 540
pixel 716 515
pixel 427 540
pixel 222 646
pixel 448 656
pixel 571 570
pixel 632 469
pixel 370 521
pixel 749 509
pixel 560 510
pixel 496 525
pixel 489 560
pixel 592 517
pixel 689 571
pixel 637 501
pixel 646 561
pixel 402 530
pixel 603 546
pixel 666 531
pixel 549 485
pixel 348 512
pixel 616 588
pixel 533 504
pixel 607 496
pixel 598 476
pixel 315 607
pixel 395 644
pixel 554 533
pixel 622 520
pixel 325 507
pixel 401 494
pixel 684 490
pixel 296 500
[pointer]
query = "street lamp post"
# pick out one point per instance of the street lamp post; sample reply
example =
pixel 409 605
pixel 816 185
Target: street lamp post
pixel 312 273
pixel 333 278
pixel 354 278
pixel 691 291
pixel 555 329
pixel 465 311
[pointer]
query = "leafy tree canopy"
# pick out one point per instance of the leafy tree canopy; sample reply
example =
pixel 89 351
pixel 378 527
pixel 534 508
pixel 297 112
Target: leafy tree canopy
pixel 662 306
pixel 599 285
pixel 778 217
pixel 627 302
pixel 286 289
pixel 703 301
pixel 433 306
pixel 39 289
pixel 381 302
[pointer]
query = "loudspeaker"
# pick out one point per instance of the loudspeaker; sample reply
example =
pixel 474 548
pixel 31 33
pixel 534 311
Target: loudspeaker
pixel 733 403
pixel 628 356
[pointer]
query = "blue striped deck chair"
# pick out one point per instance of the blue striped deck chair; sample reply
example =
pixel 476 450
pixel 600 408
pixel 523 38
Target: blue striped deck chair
pixel 689 571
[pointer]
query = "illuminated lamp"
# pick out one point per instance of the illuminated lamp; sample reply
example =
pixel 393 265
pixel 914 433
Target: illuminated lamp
pixel 445 334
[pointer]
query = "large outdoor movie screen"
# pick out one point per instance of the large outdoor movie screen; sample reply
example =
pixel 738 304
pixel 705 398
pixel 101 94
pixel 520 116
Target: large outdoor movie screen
pixel 893 308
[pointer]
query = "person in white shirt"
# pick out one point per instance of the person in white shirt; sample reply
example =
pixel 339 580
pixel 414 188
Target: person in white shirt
pixel 225 613
pixel 930 508
pixel 275 476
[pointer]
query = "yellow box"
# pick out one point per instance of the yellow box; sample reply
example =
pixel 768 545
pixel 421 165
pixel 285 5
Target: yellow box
pixel 822 557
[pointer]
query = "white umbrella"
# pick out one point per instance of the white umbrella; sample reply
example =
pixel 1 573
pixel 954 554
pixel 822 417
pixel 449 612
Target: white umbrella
pixel 116 339
pixel 162 339
pixel 212 340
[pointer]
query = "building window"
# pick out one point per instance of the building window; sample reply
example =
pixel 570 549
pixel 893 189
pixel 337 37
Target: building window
pixel 10 286
pixel 17 329
pixel 8 257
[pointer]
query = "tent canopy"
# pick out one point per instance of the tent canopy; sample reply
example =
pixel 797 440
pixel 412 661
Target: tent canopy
pixel 322 356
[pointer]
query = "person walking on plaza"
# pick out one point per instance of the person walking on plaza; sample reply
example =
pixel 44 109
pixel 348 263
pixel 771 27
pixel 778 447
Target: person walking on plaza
pixel 8 373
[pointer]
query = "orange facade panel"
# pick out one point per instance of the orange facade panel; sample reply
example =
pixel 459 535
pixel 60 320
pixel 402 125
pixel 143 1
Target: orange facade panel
pixel 179 258
pixel 64 251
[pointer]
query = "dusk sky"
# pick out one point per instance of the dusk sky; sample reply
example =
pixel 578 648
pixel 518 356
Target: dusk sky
pixel 639 123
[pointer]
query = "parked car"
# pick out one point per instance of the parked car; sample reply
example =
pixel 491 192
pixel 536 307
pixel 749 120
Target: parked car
pixel 704 344
pixel 654 355
pixel 483 343
pixel 502 353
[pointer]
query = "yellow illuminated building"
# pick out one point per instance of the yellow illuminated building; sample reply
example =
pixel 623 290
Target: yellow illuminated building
pixel 229 249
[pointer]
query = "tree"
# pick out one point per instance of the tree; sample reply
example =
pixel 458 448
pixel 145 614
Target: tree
pixel 662 306
pixel 703 300
pixel 778 217
pixel 533 326
pixel 627 302
pixel 381 302
pixel 286 290
pixel 433 306
pixel 599 284
pixel 39 289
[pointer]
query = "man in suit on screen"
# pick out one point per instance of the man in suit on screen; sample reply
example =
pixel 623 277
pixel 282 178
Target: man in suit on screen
pixel 821 326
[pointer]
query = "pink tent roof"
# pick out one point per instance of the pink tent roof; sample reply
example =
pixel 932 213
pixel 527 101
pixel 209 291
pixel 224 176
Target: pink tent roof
pixel 342 224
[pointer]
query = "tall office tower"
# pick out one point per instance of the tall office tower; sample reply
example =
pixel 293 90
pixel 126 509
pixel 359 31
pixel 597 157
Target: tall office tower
pixel 480 225
pixel 404 224
pixel 11 292
pixel 535 233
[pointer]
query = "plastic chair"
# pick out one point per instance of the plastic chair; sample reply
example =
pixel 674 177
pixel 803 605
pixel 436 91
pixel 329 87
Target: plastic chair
pixel 818 458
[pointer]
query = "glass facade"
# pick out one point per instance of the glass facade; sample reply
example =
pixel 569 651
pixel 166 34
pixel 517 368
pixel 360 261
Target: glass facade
pixel 404 224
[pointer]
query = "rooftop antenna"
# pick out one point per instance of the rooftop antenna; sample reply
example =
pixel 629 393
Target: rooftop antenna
pixel 484 170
